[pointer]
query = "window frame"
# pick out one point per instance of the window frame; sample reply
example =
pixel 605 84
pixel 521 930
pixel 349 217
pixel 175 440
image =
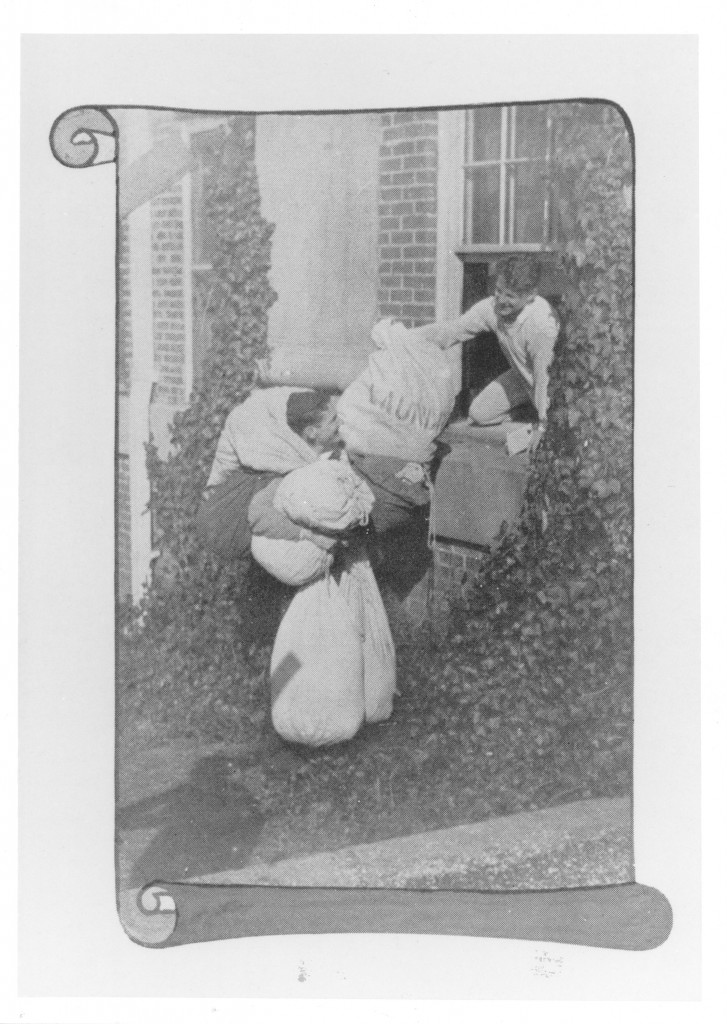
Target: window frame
pixel 456 258
pixel 193 126
pixel 505 161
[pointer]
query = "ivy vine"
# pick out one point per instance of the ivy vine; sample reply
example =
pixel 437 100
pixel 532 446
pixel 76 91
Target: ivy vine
pixel 187 630
pixel 556 595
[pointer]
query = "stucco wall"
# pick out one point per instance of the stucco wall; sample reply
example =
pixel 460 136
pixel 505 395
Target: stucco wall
pixel 318 177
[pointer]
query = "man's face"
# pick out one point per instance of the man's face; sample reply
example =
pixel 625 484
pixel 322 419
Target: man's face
pixel 324 437
pixel 509 303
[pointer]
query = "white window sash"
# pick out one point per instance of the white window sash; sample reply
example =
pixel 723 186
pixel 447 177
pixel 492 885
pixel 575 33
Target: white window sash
pixel 452 202
pixel 506 162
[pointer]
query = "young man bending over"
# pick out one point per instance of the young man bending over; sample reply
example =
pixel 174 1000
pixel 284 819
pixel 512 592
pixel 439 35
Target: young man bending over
pixel 275 431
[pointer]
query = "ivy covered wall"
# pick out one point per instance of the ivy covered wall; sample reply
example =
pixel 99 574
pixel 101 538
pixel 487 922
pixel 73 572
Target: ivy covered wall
pixel 556 598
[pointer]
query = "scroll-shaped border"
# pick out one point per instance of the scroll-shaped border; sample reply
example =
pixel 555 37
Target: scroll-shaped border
pixel 629 916
pixel 84 137
pixel 149 915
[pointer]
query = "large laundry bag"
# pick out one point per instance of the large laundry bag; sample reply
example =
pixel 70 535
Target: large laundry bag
pixel 326 495
pixel 361 592
pixel 402 401
pixel 293 562
pixel 317 669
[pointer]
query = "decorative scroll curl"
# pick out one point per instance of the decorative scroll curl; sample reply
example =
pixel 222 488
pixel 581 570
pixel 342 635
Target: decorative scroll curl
pixel 149 915
pixel 84 137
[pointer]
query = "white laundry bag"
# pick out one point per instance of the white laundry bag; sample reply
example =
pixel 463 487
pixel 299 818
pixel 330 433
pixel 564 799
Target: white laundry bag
pixel 402 401
pixel 361 592
pixel 317 669
pixel 333 661
pixel 326 495
pixel 293 562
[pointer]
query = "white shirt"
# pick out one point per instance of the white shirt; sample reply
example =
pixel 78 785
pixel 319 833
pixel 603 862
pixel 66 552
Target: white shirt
pixel 256 435
pixel 527 340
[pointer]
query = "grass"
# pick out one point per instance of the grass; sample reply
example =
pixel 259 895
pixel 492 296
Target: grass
pixel 471 737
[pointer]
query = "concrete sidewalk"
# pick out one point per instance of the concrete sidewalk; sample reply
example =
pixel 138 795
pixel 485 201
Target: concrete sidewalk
pixel 578 844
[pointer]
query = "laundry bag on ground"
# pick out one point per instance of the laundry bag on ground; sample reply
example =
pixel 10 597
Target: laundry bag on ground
pixel 317 669
pixel 401 402
pixel 293 562
pixel 361 592
pixel 333 661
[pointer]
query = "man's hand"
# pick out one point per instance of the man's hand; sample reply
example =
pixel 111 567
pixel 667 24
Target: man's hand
pixel 537 435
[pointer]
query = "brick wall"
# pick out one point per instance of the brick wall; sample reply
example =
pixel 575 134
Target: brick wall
pixel 455 564
pixel 167 229
pixel 124 311
pixel 429 602
pixel 123 327
pixel 408 216
pixel 123 526
pixel 168 327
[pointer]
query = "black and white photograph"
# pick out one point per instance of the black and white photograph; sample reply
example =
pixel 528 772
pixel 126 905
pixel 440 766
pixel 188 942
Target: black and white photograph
pixel 372 537
pixel 374 496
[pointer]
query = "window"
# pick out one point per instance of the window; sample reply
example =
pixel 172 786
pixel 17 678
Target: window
pixel 506 194
pixel 500 167
pixel 204 144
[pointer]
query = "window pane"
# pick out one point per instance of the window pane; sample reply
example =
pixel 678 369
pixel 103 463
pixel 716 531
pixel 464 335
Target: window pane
pixel 485 127
pixel 202 301
pixel 529 186
pixel 204 149
pixel 531 131
pixel 484 205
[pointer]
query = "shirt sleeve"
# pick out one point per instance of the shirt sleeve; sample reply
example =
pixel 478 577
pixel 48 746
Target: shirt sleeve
pixel 225 460
pixel 539 337
pixel 267 521
pixel 481 317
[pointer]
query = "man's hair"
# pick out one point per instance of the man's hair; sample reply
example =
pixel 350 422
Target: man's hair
pixel 305 409
pixel 520 273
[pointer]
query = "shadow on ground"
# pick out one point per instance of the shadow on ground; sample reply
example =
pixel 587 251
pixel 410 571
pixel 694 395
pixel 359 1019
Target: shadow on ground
pixel 208 823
